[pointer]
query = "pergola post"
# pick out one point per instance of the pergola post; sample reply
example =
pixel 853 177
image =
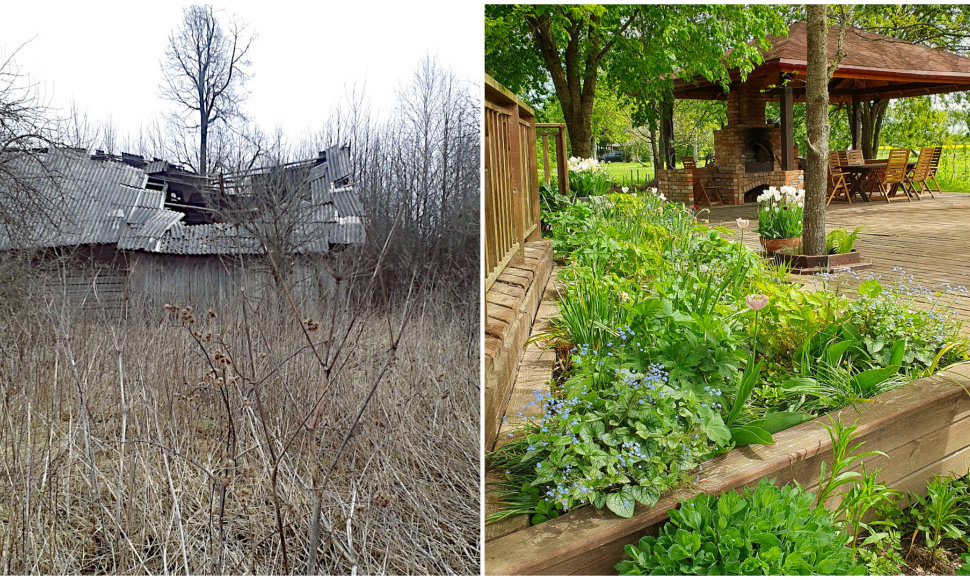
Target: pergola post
pixel 787 125
pixel 855 118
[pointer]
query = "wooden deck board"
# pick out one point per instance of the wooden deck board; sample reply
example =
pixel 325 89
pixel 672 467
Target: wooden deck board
pixel 927 239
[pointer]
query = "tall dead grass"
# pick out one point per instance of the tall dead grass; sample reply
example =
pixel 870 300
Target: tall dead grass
pixel 180 444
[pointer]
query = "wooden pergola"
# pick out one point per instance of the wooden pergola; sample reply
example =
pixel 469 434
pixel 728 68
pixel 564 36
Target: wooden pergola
pixel 875 67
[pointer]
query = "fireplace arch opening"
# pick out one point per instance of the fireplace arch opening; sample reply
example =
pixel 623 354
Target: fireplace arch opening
pixel 758 154
pixel 751 195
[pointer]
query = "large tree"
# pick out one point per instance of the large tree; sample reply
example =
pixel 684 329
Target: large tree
pixel 636 49
pixel 204 70
pixel 817 113
pixel 817 76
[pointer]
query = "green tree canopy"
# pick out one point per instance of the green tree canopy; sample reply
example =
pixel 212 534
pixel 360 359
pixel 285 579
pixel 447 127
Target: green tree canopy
pixel 639 49
pixel 940 26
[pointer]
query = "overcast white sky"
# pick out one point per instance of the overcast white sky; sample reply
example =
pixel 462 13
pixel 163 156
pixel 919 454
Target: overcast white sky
pixel 105 55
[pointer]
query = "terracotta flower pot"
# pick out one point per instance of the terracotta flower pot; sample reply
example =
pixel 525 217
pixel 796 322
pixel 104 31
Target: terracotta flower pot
pixel 773 245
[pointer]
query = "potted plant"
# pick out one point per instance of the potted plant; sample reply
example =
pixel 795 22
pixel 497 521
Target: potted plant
pixel 841 254
pixel 780 212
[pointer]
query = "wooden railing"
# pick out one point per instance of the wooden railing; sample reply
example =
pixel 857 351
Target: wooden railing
pixel 511 179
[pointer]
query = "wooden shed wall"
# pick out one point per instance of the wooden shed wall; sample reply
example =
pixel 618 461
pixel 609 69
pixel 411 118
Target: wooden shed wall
pixel 101 278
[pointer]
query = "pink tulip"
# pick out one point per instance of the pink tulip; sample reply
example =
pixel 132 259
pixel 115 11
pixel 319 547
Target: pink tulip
pixel 743 223
pixel 756 301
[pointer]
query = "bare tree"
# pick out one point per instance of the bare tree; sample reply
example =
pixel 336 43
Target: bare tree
pixel 204 71
pixel 27 127
pixel 422 163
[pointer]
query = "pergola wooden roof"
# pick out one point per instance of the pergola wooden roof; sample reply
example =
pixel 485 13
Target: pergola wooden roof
pixel 874 67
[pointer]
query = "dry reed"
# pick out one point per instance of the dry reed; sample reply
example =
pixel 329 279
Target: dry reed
pixel 178 444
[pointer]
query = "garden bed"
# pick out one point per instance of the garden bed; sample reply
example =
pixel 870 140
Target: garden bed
pixel 808 265
pixel 923 427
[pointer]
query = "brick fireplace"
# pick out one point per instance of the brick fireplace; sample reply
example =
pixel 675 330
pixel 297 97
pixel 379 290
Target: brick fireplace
pixel 747 155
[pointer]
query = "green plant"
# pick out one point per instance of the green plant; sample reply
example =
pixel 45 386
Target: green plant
pixel 842 438
pixel 964 570
pixel 587 178
pixel 840 241
pixel 868 495
pixel 780 212
pixel 941 514
pixel 842 370
pixel 618 443
pixel 880 551
pixel 768 531
pixel 883 315
pixel 587 310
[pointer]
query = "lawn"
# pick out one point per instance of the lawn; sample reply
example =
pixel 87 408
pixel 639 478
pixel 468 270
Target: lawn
pixel 631 173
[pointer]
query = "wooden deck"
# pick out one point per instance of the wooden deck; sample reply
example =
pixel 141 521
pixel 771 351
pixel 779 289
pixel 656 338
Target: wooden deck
pixel 927 239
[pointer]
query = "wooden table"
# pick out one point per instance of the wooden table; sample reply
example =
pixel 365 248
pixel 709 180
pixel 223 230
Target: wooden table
pixel 856 174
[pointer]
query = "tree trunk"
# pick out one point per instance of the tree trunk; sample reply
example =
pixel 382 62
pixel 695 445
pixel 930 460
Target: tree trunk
pixel 667 151
pixel 203 146
pixel 817 125
pixel 580 135
pixel 873 114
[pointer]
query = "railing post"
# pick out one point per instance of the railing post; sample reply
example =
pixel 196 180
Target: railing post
pixel 545 158
pixel 562 162
pixel 533 188
pixel 518 189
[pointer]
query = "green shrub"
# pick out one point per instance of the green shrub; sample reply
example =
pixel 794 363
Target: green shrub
pixel 840 241
pixel 771 531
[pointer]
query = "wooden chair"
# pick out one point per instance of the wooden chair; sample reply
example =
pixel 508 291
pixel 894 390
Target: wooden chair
pixel 895 175
pixel 855 157
pixel 836 183
pixel 934 165
pixel 703 181
pixel 917 180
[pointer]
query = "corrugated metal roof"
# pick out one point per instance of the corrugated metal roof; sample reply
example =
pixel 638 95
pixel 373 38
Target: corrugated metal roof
pixel 105 202
pixel 156 166
pixel 347 203
pixel 348 231
pixel 338 163
pixel 207 239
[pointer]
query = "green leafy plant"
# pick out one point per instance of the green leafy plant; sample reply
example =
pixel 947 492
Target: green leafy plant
pixel 941 514
pixel 840 241
pixel 619 443
pixel 883 316
pixel 767 531
pixel 867 496
pixel 587 178
pixel 880 551
pixel 964 570
pixel 744 430
pixel 780 212
pixel 842 438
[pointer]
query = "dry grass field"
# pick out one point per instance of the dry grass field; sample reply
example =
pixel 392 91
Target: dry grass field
pixel 186 442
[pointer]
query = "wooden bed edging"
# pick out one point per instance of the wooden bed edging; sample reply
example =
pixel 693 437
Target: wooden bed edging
pixel 923 427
